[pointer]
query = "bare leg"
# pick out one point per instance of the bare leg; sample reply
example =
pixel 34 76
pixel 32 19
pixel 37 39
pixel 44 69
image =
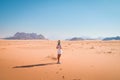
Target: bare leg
pixel 58 57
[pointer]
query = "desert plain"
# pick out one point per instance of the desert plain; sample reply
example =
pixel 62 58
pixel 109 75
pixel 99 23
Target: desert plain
pixel 80 60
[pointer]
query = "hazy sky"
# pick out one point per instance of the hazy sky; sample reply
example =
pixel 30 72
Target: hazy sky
pixel 60 19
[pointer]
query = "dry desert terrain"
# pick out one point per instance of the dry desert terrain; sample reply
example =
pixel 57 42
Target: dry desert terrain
pixel 81 60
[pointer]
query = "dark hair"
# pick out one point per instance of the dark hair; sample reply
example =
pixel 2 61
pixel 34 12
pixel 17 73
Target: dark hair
pixel 58 42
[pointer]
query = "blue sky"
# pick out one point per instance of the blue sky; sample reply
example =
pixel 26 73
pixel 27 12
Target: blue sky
pixel 60 19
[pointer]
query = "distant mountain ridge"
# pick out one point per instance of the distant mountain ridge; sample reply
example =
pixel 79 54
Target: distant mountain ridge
pixel 75 39
pixel 82 38
pixel 25 36
pixel 32 36
pixel 112 38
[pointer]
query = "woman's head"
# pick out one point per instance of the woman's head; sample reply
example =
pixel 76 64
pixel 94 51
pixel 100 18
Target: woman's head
pixel 58 42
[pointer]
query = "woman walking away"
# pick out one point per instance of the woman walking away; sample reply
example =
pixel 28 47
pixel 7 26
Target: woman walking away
pixel 59 51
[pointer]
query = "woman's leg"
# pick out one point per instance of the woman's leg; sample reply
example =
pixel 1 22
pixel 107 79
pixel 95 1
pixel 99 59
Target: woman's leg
pixel 59 55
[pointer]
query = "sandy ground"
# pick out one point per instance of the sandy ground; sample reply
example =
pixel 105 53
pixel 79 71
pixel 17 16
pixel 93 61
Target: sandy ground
pixel 81 60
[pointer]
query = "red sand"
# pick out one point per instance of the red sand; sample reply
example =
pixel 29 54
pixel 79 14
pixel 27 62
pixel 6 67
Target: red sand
pixel 81 60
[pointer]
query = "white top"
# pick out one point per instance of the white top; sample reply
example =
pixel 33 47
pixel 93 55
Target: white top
pixel 59 51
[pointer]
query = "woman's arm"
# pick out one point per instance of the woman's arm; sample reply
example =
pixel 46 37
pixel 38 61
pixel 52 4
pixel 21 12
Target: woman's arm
pixel 57 47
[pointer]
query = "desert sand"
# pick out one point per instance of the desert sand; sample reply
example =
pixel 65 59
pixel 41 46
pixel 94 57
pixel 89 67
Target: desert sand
pixel 81 60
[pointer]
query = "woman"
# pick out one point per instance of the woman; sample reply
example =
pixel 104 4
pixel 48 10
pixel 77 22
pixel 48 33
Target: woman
pixel 59 51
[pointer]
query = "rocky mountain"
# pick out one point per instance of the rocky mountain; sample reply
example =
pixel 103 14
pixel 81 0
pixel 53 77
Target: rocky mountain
pixel 82 38
pixel 25 36
pixel 112 38
pixel 87 38
pixel 75 39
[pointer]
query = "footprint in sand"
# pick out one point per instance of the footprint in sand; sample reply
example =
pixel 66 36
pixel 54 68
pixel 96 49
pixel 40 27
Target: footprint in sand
pixel 3 48
pixel 57 72
pixel 109 52
pixel 60 69
pixel 69 44
pixel 92 47
pixel 63 77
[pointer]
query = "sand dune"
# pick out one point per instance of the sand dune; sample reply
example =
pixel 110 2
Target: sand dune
pixel 81 60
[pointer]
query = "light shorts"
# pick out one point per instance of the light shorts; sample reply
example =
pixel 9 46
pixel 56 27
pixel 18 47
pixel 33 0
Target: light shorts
pixel 59 51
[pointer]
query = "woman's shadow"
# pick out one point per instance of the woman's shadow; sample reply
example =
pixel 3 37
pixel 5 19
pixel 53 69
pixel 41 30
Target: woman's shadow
pixel 34 65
